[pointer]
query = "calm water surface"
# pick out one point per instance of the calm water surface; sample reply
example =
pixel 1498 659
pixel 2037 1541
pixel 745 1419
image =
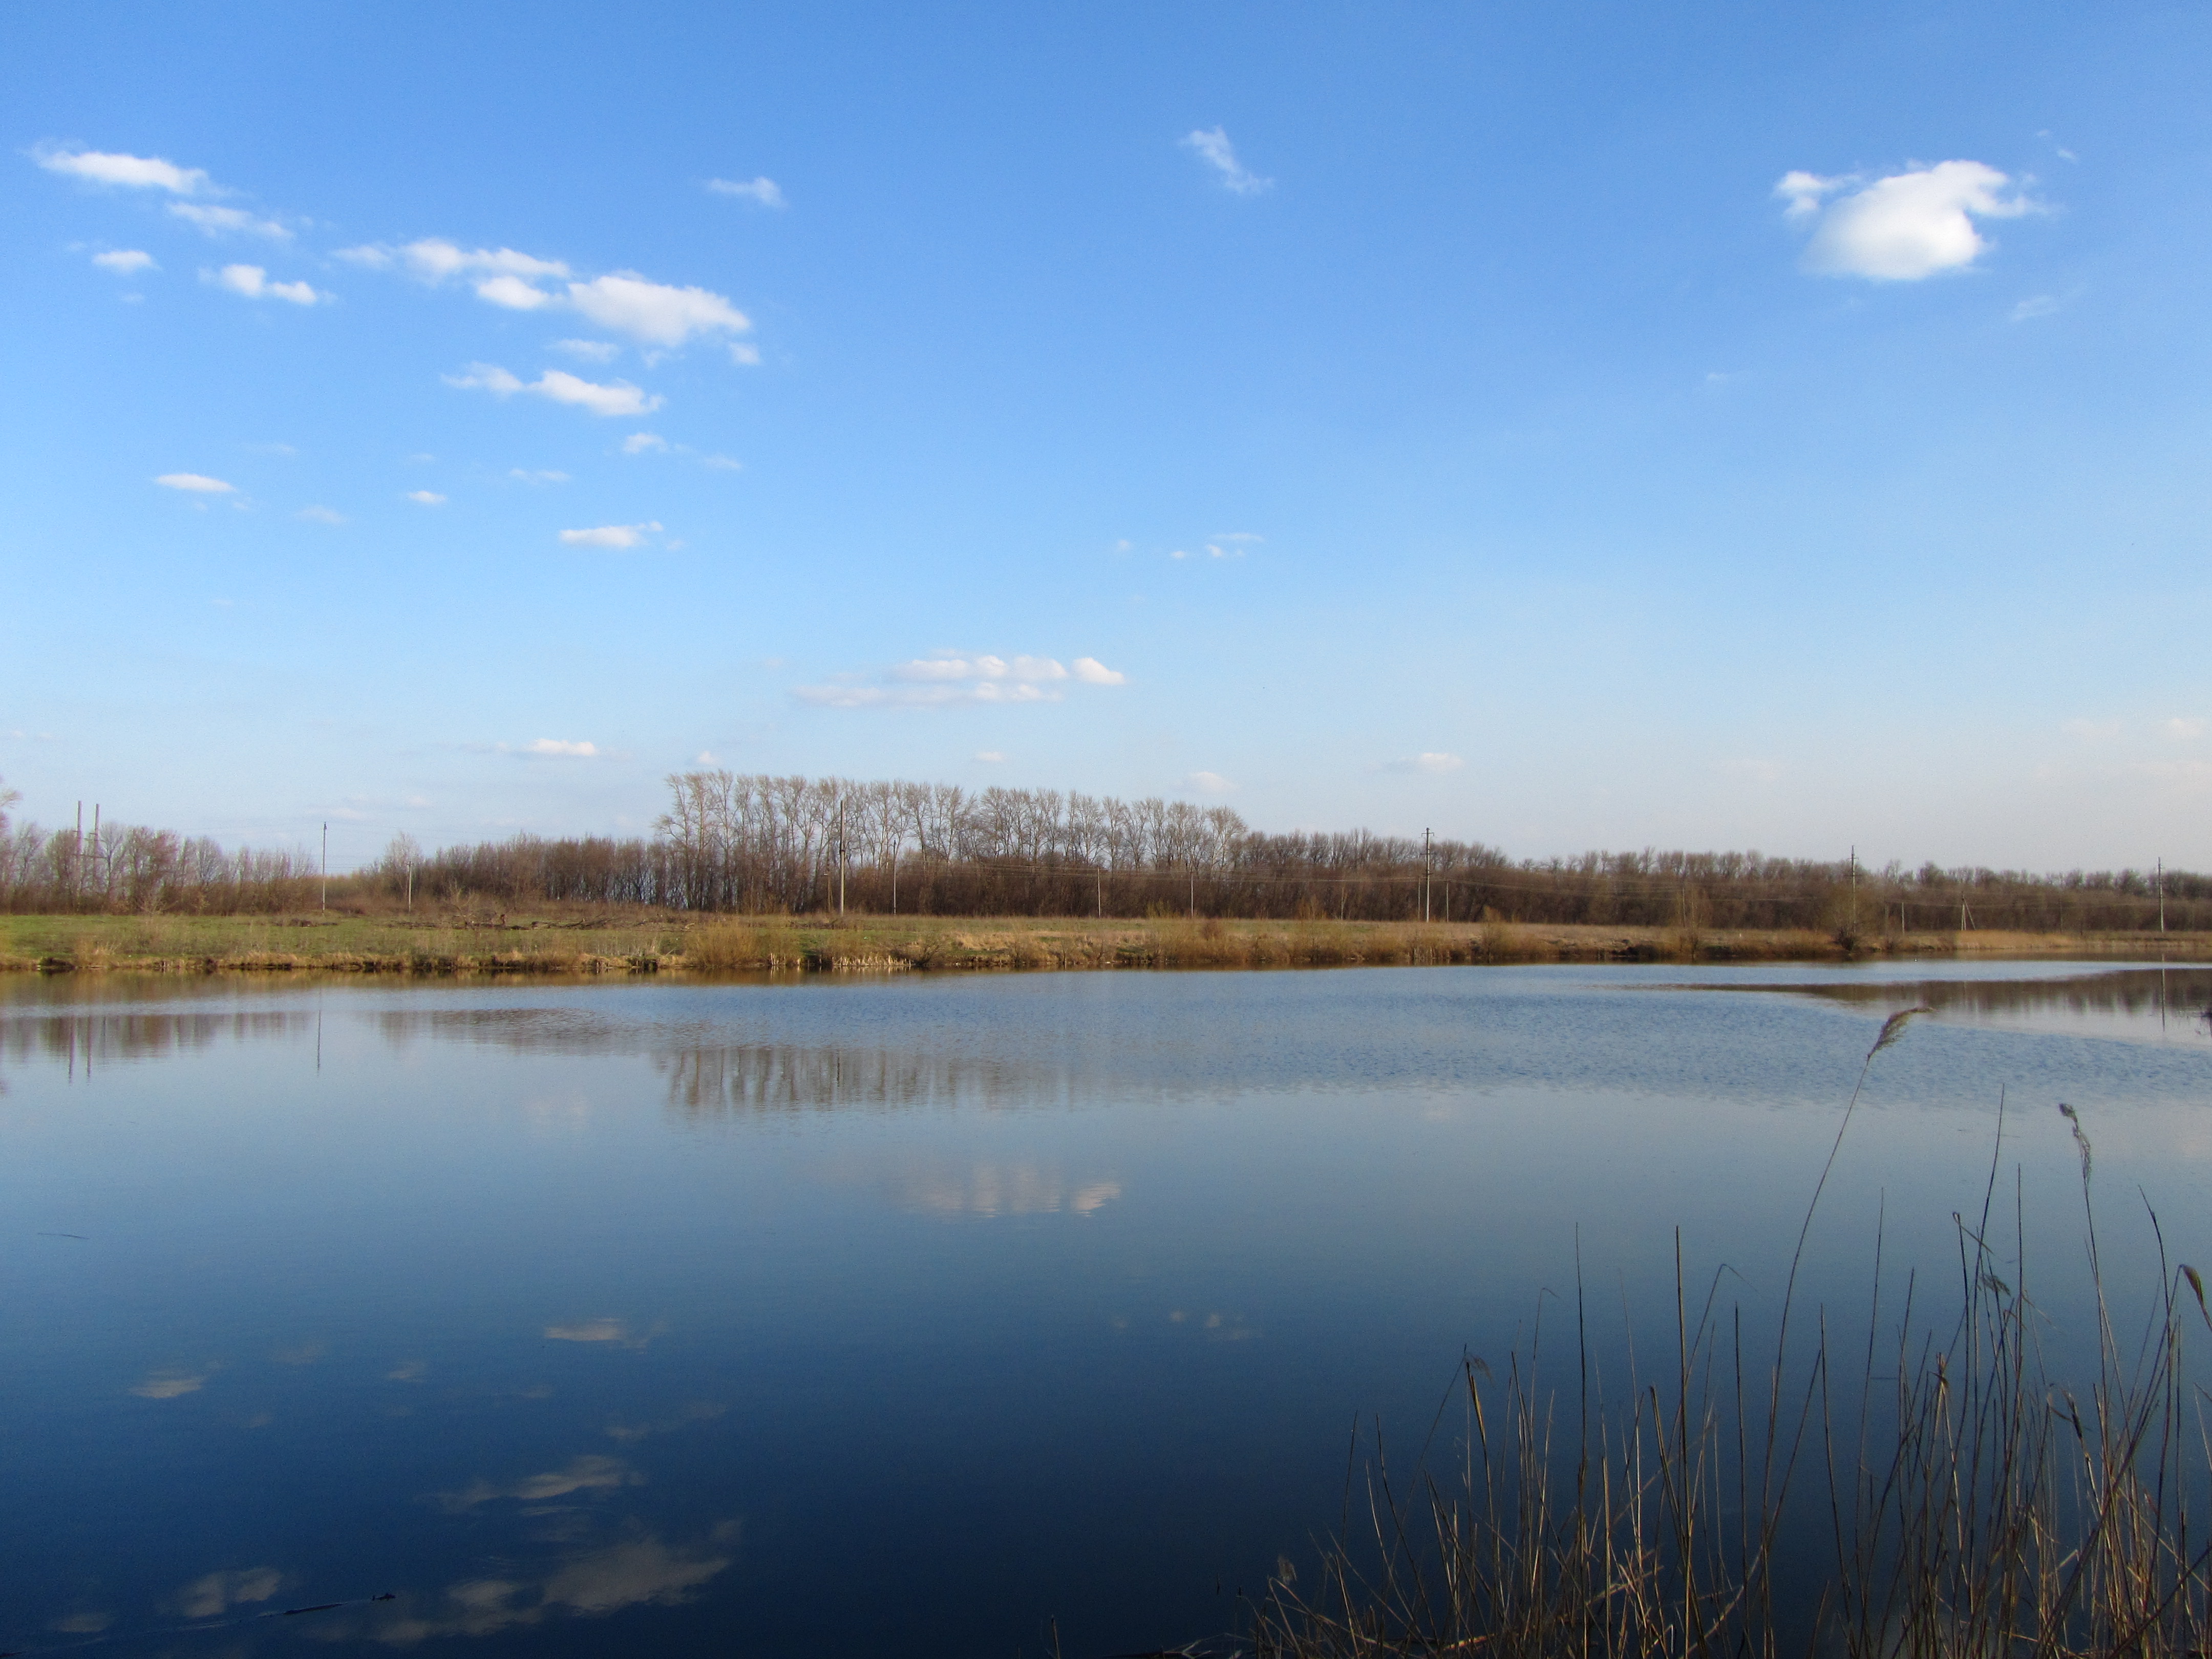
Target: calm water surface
pixel 906 1316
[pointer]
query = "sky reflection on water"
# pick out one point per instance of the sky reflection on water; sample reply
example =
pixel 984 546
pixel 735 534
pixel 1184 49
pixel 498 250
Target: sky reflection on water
pixel 846 1314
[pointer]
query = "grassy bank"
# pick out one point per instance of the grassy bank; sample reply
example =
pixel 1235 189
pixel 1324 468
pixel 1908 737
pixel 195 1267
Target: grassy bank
pixel 601 940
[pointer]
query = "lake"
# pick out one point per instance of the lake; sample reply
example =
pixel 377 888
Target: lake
pixel 924 1314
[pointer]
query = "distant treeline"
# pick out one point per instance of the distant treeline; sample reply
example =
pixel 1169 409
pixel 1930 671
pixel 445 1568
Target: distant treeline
pixel 768 845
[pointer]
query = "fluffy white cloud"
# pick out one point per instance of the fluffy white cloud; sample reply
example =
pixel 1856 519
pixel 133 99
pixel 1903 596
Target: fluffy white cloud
pixel 1214 149
pixel 639 442
pixel 252 281
pixel 197 483
pixel 654 312
pixel 220 221
pixel 426 498
pixel 610 535
pixel 949 679
pixel 1903 228
pixel 125 262
pixel 133 172
pixel 514 293
pixel 561 748
pixel 619 398
pixel 762 190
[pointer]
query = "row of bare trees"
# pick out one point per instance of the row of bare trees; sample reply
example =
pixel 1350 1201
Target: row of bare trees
pixel 731 841
pixel 755 843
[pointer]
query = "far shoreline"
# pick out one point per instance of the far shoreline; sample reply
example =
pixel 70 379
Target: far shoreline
pixel 610 942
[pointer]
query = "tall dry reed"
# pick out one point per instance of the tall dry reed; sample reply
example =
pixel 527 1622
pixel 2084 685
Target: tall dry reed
pixel 1970 1500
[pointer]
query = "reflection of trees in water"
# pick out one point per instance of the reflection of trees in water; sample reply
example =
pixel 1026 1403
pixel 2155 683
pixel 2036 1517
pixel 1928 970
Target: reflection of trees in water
pixel 2182 994
pixel 712 1079
pixel 89 1038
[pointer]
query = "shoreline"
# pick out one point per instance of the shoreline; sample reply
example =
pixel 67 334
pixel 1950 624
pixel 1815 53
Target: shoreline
pixel 601 943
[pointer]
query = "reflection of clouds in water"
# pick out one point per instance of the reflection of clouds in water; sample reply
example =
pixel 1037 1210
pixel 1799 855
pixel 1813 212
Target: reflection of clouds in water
pixel 407 1371
pixel 168 1385
pixel 306 1354
pixel 590 1473
pixel 216 1594
pixel 1213 1326
pixel 605 1330
pixel 700 1411
pixel 994 1189
pixel 81 1624
pixel 639 1572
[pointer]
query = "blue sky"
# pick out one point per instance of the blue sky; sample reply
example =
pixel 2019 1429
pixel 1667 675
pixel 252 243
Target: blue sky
pixel 1562 426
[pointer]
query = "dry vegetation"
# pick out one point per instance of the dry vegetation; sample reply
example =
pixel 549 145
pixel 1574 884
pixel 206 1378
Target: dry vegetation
pixel 571 940
pixel 1969 1502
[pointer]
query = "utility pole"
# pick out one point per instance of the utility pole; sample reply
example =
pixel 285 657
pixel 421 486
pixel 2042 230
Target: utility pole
pixel 2161 895
pixel 327 864
pixel 76 864
pixel 1428 843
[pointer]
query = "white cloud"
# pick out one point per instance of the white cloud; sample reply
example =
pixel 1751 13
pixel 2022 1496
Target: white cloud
pixel 320 515
pixel 426 498
pixel 219 221
pixel 721 464
pixel 1233 551
pixel 1214 149
pixel 513 293
pixel 1903 228
pixel 638 442
pixel 991 755
pixel 2184 730
pixel 2041 305
pixel 744 354
pixel 252 283
pixel 762 190
pixel 595 351
pixel 565 750
pixel 133 172
pixel 125 262
pixel 1212 783
pixel 610 535
pixel 542 475
pixel 950 678
pixel 1236 535
pixel 1433 762
pixel 197 483
pixel 561 387
pixel 654 312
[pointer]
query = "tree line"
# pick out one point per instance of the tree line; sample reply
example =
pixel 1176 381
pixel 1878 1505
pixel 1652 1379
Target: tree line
pixel 759 844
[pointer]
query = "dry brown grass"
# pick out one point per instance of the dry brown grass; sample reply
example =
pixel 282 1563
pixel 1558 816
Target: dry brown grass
pixel 1974 1503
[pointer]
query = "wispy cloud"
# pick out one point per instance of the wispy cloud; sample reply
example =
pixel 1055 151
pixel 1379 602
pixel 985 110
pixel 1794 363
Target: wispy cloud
pixel 252 282
pixel 591 1472
pixel 639 442
pixel 130 172
pixel 652 313
pixel 543 475
pixel 950 678
pixel 426 498
pixel 197 483
pixel 1210 783
pixel 320 515
pixel 126 261
pixel 1903 228
pixel 554 749
pixel 2040 305
pixel 1213 147
pixel 218 1592
pixel 227 220
pixel 618 398
pixel 171 1385
pixel 610 535
pixel 762 189
pixel 591 351
pixel 1434 762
